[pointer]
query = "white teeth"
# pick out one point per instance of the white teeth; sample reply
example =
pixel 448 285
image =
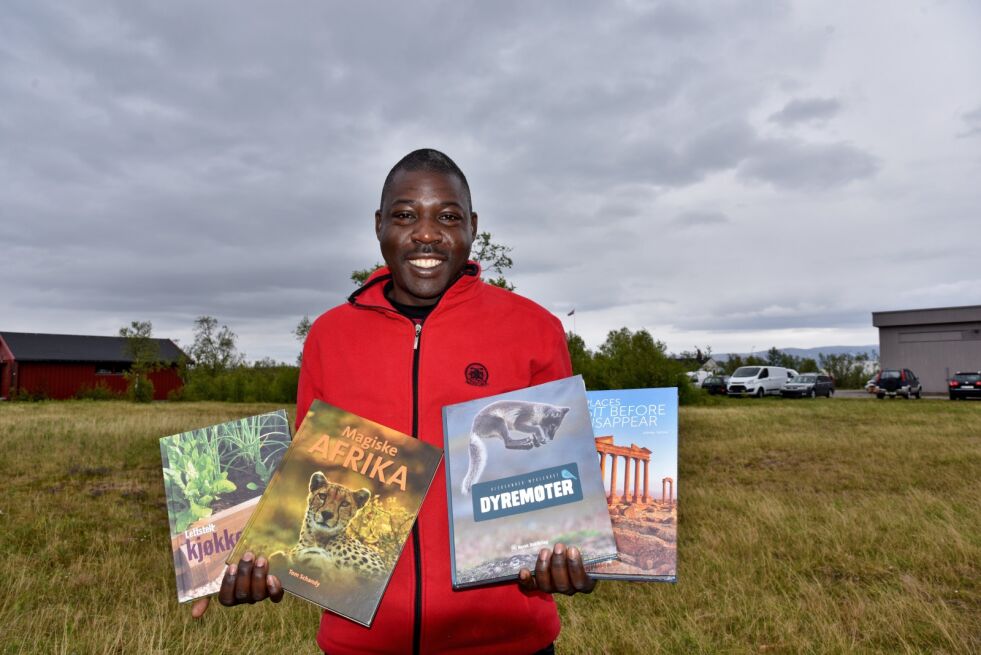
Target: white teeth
pixel 425 263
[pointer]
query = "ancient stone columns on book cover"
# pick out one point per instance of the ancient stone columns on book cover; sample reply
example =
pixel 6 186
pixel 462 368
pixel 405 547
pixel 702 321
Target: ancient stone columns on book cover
pixel 633 457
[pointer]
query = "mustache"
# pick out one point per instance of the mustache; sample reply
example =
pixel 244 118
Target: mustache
pixel 427 249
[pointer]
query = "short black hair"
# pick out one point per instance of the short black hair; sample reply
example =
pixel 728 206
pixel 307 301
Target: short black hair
pixel 427 159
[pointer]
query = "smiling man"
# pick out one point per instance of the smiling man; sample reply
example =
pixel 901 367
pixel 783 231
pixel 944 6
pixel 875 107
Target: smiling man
pixel 425 227
pixel 423 332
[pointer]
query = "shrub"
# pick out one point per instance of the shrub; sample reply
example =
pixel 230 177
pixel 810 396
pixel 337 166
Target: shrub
pixel 28 396
pixel 100 391
pixel 263 382
pixel 140 389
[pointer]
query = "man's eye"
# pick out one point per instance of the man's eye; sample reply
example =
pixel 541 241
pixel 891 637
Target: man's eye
pixel 403 216
pixel 449 217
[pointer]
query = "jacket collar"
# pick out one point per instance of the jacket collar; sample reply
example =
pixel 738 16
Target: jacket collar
pixel 372 292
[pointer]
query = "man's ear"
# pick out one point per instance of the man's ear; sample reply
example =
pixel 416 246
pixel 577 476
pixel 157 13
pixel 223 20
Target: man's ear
pixel 378 223
pixel 473 226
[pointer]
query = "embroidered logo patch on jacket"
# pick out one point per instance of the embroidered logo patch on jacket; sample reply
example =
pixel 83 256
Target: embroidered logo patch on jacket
pixel 476 374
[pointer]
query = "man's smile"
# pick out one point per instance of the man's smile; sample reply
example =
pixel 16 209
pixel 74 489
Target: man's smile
pixel 426 263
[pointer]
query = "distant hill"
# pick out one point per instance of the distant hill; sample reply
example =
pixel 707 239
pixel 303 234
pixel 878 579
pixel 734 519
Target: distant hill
pixel 872 350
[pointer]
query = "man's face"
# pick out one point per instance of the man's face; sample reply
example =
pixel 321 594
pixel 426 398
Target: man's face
pixel 425 228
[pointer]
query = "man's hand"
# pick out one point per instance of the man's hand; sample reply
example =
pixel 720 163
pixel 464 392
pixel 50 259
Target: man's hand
pixel 245 582
pixel 557 571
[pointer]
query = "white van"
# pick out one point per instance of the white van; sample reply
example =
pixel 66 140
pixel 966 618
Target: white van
pixel 758 380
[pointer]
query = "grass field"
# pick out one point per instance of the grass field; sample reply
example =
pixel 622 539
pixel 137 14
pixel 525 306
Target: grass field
pixel 804 527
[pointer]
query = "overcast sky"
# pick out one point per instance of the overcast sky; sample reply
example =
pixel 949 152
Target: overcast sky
pixel 733 174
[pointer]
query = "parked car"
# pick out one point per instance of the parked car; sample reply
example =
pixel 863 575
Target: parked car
pixel 894 382
pixel 870 385
pixel 808 385
pixel 717 384
pixel 965 385
pixel 699 376
pixel 758 380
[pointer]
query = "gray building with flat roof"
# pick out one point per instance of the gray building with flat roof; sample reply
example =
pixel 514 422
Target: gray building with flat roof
pixel 933 343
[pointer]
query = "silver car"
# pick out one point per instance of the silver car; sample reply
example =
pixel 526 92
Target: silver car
pixel 808 385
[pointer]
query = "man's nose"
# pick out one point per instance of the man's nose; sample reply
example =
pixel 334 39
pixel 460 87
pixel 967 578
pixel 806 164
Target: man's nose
pixel 427 230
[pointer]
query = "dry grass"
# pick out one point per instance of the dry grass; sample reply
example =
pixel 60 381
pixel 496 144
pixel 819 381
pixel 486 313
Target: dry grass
pixel 804 527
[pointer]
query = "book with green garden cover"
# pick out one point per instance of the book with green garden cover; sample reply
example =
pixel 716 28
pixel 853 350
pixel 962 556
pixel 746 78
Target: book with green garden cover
pixel 637 441
pixel 213 478
pixel 522 475
pixel 339 509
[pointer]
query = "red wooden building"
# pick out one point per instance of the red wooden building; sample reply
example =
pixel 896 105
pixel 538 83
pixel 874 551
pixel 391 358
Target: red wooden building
pixel 59 365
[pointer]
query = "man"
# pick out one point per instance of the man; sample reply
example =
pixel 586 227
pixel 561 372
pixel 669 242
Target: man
pixel 421 333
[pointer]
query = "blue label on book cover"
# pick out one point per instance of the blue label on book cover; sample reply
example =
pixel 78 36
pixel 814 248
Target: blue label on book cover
pixel 549 487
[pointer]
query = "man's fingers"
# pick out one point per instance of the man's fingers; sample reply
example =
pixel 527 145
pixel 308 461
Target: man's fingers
pixel 580 580
pixel 275 588
pixel 226 594
pixel 259 570
pixel 559 571
pixel 244 579
pixel 526 580
pixel 543 577
pixel 199 607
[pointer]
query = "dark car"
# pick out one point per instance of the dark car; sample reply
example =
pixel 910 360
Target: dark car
pixel 716 384
pixel 809 385
pixel 965 385
pixel 894 382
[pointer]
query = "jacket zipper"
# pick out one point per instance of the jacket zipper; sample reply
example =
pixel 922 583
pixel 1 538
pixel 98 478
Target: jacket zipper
pixel 417 556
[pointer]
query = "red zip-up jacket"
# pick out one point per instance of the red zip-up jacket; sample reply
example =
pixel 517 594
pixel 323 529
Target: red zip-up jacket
pixel 367 358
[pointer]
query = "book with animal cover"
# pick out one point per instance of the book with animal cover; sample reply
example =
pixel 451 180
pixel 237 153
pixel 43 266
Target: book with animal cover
pixel 637 441
pixel 213 479
pixel 336 515
pixel 522 475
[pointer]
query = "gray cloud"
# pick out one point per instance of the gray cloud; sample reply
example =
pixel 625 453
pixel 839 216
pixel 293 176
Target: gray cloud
pixel 972 122
pixel 700 219
pixel 806 110
pixel 165 161
pixel 800 165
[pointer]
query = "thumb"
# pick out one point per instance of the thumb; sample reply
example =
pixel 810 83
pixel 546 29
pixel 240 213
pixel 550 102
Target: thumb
pixel 199 607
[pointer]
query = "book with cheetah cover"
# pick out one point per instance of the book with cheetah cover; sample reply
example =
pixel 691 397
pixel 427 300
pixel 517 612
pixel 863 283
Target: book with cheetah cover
pixel 213 478
pixel 339 509
pixel 637 441
pixel 521 475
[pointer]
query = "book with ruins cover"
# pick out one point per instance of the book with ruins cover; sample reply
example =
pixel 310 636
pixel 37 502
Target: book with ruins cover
pixel 521 475
pixel 339 509
pixel 637 441
pixel 213 478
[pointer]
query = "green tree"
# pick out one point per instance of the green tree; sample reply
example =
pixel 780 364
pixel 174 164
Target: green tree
pixel 693 359
pixel 361 276
pixel 493 257
pixel 213 349
pixel 628 360
pixel 776 357
pixel 144 350
pixel 807 365
pixel 582 359
pixel 847 370
pixel 735 361
pixel 301 331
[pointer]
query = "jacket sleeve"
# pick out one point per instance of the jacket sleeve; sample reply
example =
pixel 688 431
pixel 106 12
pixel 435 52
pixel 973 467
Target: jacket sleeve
pixel 553 363
pixel 309 386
